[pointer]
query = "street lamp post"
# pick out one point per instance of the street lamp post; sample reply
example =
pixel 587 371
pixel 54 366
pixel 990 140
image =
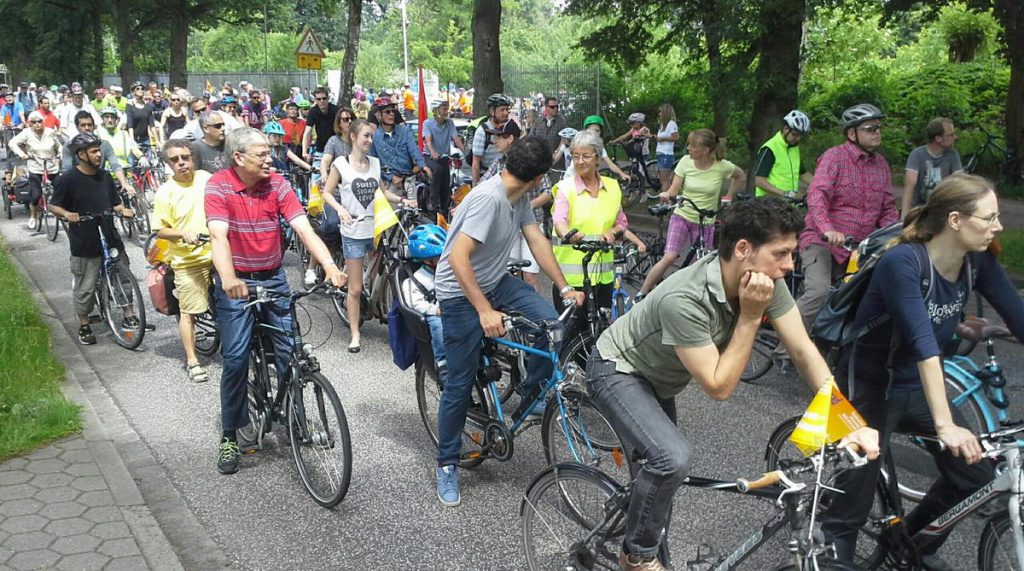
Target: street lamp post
pixel 405 37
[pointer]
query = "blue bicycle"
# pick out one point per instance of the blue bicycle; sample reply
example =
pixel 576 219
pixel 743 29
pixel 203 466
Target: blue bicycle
pixel 572 428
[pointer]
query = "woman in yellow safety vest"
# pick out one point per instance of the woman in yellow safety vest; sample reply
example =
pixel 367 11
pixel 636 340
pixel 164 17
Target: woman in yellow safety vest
pixel 587 207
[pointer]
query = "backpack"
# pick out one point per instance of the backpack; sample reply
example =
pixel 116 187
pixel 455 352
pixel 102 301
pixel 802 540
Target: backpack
pixel 160 282
pixel 471 134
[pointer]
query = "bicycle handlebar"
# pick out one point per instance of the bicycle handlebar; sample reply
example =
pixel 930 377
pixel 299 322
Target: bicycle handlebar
pixel 848 455
pixel 680 200
pixel 260 294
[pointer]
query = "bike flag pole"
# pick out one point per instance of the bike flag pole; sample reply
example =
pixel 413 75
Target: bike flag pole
pixel 421 108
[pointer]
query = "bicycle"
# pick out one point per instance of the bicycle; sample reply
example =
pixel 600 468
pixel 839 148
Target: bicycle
pixel 1011 167
pixel 205 324
pixel 306 404
pixel 576 353
pixel 622 299
pixel 643 176
pixel 572 428
pixel 588 508
pixel 48 221
pixel 884 541
pixel 116 291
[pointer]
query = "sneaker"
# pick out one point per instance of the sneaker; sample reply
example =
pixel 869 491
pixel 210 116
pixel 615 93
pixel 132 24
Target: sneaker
pixel 310 278
pixel 227 462
pixel 448 486
pixel 633 563
pixel 85 336
pixel 130 322
pixel 934 563
pixel 32 223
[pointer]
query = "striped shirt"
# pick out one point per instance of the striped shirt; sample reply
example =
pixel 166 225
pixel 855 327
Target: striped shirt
pixel 254 233
pixel 852 194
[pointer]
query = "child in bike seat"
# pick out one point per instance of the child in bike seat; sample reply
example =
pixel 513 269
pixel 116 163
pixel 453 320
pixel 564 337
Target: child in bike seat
pixel 280 154
pixel 426 242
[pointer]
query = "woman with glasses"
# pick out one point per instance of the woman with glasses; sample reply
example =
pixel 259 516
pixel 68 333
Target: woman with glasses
pixel 338 145
pixel 174 117
pixel 40 147
pixel 897 380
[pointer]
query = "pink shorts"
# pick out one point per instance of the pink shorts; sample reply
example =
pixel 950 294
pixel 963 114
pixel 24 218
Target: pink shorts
pixel 682 234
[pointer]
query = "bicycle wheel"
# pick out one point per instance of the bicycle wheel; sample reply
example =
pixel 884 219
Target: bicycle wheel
pixel 428 399
pixel 760 358
pixel 207 335
pixel 816 565
pixel 318 432
pixel 997 548
pixel 653 187
pixel 123 303
pixel 632 191
pixel 141 220
pixel 583 436
pixel 52 225
pixel 340 303
pixel 574 358
pixel 915 468
pixel 560 512
pixel 258 398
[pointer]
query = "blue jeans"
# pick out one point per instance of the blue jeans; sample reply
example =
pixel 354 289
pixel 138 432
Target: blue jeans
pixel 235 324
pixel 647 425
pixel 436 337
pixel 462 338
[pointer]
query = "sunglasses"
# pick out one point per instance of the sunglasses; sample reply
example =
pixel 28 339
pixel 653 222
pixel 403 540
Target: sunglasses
pixel 173 99
pixel 215 125
pixel 321 98
pixel 870 128
pixel 346 118
pixel 555 106
pixel 388 111
pixel 34 121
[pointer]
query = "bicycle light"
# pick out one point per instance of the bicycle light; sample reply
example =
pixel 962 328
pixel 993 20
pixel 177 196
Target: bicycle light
pixel 114 253
pixel 307 349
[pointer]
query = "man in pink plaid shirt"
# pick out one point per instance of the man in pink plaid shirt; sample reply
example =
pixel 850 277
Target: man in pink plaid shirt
pixel 851 196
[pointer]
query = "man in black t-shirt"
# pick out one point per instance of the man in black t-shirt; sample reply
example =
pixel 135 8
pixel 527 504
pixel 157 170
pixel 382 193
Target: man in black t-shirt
pixel 88 189
pixel 139 117
pixel 321 119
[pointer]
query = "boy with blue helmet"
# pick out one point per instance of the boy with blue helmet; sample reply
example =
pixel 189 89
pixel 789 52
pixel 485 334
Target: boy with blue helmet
pixel 280 154
pixel 426 242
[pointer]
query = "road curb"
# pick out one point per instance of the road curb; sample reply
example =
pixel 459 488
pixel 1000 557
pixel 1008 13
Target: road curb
pixel 164 527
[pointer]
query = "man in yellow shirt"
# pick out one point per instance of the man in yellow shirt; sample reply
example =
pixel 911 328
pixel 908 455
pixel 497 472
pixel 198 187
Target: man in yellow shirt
pixel 179 216
pixel 408 102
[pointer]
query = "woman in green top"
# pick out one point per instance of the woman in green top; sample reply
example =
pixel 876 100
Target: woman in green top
pixel 701 175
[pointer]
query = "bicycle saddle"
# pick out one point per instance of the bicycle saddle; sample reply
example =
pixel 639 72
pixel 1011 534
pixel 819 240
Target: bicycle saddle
pixel 517 263
pixel 975 330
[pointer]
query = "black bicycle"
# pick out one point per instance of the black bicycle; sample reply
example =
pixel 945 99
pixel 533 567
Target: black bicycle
pixel 643 175
pixel 1011 167
pixel 573 517
pixel 306 403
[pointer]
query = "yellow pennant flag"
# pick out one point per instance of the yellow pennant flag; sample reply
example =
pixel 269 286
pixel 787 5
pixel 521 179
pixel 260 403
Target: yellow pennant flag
pixel 209 86
pixel 384 216
pixel 827 419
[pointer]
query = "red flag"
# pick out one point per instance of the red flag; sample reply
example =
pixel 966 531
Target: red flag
pixel 422 108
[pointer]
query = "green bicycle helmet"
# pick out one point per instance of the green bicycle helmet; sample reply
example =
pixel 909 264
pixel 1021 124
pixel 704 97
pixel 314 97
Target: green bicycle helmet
pixel 304 104
pixel 594 120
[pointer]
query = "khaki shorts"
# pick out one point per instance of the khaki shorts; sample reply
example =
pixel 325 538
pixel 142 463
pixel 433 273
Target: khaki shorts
pixel 193 287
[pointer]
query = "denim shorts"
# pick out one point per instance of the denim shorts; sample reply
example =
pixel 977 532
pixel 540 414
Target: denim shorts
pixel 356 248
pixel 665 162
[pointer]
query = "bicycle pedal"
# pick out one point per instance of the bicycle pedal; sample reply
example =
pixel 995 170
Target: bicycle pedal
pixel 150 327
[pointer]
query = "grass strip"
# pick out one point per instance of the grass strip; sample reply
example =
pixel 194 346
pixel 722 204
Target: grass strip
pixel 33 410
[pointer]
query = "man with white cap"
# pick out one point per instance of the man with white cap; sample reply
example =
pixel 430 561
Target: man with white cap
pixel 77 103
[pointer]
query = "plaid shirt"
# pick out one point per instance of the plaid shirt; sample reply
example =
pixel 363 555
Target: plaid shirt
pixel 852 194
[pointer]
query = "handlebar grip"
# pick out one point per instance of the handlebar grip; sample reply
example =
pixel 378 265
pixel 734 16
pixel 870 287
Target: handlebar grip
pixel 766 479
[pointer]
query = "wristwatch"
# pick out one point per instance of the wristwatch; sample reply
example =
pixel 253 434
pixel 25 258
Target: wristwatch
pixel 566 290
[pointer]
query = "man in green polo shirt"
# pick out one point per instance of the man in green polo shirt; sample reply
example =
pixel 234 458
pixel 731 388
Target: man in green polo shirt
pixel 778 170
pixel 698 325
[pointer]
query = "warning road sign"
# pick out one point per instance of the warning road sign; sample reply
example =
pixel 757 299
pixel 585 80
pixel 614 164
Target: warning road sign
pixel 310 46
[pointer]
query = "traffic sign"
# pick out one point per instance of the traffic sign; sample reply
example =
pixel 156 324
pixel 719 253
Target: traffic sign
pixel 307 61
pixel 310 46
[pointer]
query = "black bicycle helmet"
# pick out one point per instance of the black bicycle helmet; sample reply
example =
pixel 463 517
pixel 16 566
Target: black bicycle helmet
pixel 499 99
pixel 860 113
pixel 84 141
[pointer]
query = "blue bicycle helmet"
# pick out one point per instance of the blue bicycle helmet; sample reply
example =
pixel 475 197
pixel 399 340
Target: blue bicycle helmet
pixel 427 241
pixel 273 128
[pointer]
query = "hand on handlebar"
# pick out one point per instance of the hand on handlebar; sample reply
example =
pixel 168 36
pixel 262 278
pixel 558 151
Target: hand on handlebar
pixel 235 288
pixel 961 442
pixel 190 237
pixel 493 323
pixel 866 439
pixel 335 276
pixel 665 197
pixel 128 213
pixel 609 236
pixel 835 238
pixel 577 297
pixel 72 217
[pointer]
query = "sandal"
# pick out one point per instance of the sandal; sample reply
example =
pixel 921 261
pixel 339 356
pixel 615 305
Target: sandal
pixel 197 374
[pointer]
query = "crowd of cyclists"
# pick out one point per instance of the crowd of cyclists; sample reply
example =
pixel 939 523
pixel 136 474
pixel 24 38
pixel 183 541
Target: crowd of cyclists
pixel 538 191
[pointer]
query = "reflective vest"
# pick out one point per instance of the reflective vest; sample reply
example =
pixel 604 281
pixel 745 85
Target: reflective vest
pixel 592 217
pixel 119 140
pixel 785 173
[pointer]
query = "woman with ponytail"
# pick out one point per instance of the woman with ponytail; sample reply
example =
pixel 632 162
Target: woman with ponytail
pixel 700 176
pixel 924 284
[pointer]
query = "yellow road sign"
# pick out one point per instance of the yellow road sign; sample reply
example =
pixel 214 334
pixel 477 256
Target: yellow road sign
pixel 307 62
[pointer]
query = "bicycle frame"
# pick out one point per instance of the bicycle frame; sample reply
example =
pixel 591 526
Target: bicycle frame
pixel 988 395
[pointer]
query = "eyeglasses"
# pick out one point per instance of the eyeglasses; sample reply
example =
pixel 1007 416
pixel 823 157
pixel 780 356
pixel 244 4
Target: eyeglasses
pixel 259 156
pixel 870 128
pixel 173 99
pixel 577 158
pixel 320 98
pixel 215 125
pixel 989 220
pixel 388 111
pixel 35 121
pixel 555 106
pixel 346 118
pixel 180 158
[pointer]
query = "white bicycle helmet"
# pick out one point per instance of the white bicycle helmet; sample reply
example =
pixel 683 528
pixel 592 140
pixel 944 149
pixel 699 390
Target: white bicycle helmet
pixel 567 133
pixel 860 113
pixel 798 121
pixel 636 118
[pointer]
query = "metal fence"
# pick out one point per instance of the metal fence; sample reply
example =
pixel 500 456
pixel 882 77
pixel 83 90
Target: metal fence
pixel 578 88
pixel 277 81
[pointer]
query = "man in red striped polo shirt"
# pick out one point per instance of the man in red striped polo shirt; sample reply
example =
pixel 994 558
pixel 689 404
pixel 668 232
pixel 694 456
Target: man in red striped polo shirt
pixel 243 203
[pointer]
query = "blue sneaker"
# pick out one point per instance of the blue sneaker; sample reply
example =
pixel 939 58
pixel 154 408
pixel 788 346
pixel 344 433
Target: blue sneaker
pixel 448 486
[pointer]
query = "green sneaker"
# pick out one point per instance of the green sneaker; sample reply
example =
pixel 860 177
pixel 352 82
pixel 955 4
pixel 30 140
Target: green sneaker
pixel 227 462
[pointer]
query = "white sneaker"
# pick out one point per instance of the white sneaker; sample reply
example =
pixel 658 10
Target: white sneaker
pixel 32 223
pixel 310 278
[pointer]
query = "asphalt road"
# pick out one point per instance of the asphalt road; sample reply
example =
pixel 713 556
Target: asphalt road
pixel 391 519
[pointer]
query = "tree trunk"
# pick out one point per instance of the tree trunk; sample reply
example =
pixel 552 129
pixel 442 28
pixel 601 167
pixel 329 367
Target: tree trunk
pixel 180 22
pixel 125 42
pixel 97 47
pixel 778 70
pixel 486 29
pixel 348 62
pixel 717 85
pixel 1011 15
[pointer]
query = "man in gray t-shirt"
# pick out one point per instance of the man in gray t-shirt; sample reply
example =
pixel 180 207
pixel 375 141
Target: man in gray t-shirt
pixel 473 288
pixel 928 164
